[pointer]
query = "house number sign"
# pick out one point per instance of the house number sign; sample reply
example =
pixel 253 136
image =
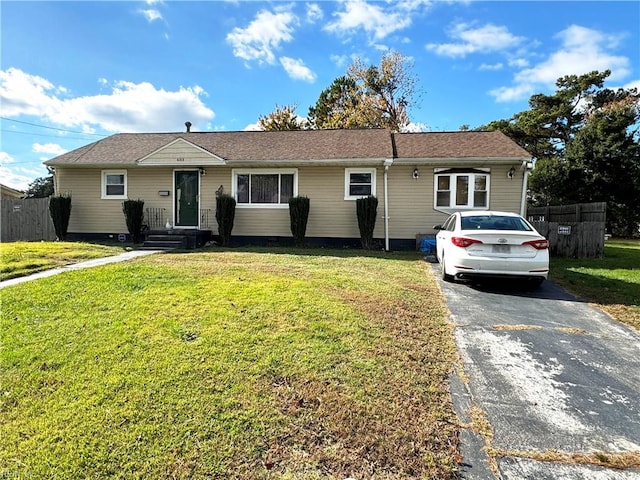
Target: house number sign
pixel 180 159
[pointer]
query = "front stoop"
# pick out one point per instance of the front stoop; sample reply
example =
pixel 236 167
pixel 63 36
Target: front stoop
pixel 175 239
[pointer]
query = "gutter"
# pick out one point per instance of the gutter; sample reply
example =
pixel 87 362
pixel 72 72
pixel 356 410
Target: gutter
pixel 387 163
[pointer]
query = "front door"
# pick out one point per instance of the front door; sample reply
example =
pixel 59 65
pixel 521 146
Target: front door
pixel 186 198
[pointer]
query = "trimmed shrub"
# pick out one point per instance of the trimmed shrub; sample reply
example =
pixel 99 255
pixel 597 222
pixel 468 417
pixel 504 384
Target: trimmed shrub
pixel 298 215
pixel 366 210
pixel 225 215
pixel 60 211
pixel 134 216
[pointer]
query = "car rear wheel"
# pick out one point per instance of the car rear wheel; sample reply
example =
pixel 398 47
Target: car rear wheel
pixel 443 271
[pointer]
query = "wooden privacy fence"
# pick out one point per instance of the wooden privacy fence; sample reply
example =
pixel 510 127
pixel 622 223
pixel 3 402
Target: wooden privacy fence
pixel 26 219
pixel 574 231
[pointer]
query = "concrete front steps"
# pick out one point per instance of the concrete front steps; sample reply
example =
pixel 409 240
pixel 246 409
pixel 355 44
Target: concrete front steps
pixel 175 239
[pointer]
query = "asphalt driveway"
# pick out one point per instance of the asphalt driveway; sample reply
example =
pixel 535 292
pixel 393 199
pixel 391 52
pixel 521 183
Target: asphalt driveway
pixel 550 373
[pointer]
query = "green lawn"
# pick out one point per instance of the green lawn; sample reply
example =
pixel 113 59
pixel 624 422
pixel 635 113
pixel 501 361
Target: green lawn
pixel 613 281
pixel 229 364
pixel 18 259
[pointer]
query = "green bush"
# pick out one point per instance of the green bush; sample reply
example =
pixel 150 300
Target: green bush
pixel 366 210
pixel 225 215
pixel 298 215
pixel 134 216
pixel 60 211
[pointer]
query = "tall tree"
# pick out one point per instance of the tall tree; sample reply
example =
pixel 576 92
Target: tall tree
pixel 282 118
pixel 41 187
pixel 338 106
pixel 605 155
pixel 583 139
pixel 389 89
pixel 369 96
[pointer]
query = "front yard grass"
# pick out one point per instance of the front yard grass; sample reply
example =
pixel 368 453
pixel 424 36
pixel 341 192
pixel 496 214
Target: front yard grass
pixel 18 259
pixel 230 364
pixel 612 282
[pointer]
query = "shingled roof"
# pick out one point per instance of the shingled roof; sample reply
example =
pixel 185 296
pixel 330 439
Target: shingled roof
pixel 304 145
pixel 474 144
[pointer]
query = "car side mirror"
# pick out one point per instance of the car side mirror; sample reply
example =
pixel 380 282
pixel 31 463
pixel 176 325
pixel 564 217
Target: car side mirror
pixel 437 227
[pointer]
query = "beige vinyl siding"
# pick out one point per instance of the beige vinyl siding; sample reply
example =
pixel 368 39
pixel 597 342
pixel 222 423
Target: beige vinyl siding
pixel 410 201
pixel 330 215
pixel 91 214
pixel 506 193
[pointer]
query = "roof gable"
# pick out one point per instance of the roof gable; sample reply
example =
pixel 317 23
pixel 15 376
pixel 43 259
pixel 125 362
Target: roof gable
pixel 180 152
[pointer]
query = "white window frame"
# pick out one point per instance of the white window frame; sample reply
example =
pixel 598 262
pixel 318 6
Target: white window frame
pixel 104 175
pixel 262 171
pixel 347 182
pixel 453 176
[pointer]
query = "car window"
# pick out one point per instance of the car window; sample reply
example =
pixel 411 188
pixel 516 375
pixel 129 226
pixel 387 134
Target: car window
pixel 494 222
pixel 449 224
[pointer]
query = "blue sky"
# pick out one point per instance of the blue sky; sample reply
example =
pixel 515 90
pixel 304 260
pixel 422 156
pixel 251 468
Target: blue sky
pixel 73 72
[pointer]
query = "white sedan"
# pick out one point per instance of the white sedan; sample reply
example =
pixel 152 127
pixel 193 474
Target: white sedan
pixel 484 244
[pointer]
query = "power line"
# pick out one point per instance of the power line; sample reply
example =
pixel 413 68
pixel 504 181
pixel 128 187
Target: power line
pixel 42 135
pixel 52 128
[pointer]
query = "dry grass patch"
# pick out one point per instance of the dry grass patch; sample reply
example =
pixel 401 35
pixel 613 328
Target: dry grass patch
pixel 505 327
pixel 621 461
pixel 571 330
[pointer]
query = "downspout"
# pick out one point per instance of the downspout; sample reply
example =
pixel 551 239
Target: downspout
pixel 54 174
pixel 387 163
pixel 525 179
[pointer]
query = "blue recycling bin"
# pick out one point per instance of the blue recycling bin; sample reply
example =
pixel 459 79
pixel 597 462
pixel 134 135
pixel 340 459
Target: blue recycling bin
pixel 428 245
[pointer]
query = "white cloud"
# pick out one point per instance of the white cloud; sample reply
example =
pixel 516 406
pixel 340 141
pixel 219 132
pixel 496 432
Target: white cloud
pixel 416 127
pixel 314 13
pixel 10 176
pixel 128 107
pixel 518 62
pixel 253 127
pixel 49 148
pixel 6 158
pixel 297 70
pixel 375 20
pixel 485 39
pixel 263 35
pixel 151 14
pixel 491 67
pixel 339 60
pixel 582 50
pixel 633 84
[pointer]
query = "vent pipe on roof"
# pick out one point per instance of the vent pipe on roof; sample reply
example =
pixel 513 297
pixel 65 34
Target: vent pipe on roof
pixel 188 125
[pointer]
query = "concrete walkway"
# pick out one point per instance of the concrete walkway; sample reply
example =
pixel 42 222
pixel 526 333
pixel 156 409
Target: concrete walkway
pixel 123 257
pixel 550 374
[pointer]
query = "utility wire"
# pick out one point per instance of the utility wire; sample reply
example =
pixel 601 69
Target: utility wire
pixel 43 135
pixel 52 128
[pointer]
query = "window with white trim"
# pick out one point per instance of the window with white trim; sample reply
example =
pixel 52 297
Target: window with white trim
pixel 455 189
pixel 114 184
pixel 264 188
pixel 359 182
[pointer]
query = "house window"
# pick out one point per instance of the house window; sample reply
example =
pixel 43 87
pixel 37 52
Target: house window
pixel 461 189
pixel 359 182
pixel 264 188
pixel 114 184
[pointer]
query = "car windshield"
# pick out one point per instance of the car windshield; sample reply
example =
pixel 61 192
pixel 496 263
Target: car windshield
pixel 494 222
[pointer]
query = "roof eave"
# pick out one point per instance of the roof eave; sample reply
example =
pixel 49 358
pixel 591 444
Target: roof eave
pixel 459 160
